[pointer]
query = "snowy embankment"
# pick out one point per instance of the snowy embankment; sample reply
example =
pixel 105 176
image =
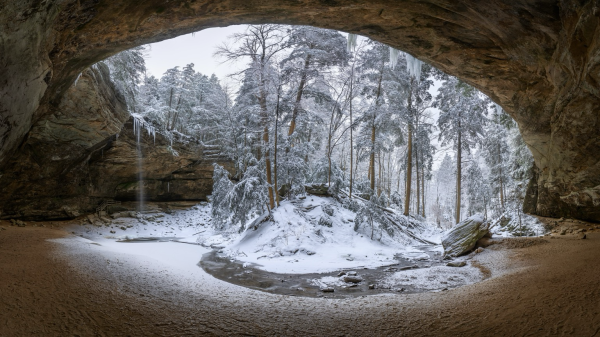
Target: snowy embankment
pixel 318 234
pixel 309 235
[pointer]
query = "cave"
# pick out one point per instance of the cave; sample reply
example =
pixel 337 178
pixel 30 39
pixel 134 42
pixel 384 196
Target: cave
pixel 537 59
pixel 69 147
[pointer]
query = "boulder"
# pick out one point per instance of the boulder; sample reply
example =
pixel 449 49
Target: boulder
pixel 462 238
pixel 352 279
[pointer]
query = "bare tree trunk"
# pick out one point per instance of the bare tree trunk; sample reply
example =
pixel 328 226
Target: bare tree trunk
pixel 265 118
pixel 275 150
pixel 351 135
pixel 372 157
pixel 170 110
pixel 417 170
pixel 409 153
pixel 423 187
pixel 458 173
pixel 299 95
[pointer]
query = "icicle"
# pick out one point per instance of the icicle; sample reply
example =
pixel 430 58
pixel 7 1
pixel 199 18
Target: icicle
pixel 352 38
pixel 77 79
pixel 168 187
pixel 498 109
pixel 413 66
pixel 394 54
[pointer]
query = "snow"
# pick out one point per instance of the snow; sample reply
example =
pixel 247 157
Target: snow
pixel 290 241
pixel 293 241
pixel 434 278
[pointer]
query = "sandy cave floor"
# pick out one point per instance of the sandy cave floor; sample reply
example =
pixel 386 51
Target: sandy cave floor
pixel 55 284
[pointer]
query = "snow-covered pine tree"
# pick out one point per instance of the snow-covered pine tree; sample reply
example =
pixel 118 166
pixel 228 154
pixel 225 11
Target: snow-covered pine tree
pixel 461 121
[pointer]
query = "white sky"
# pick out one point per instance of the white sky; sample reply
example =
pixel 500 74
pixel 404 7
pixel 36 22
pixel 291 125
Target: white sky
pixel 196 48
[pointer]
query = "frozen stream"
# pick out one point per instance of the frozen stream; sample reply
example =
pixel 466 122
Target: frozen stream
pixel 168 235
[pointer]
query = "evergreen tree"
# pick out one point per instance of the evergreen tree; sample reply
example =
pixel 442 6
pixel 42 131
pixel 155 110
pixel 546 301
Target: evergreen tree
pixel 461 122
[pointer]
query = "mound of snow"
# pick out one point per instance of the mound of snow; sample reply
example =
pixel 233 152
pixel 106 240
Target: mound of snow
pixel 318 234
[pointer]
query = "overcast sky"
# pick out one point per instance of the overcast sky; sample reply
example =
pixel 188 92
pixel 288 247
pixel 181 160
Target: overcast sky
pixel 197 48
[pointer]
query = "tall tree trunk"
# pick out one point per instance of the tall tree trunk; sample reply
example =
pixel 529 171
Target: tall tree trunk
pixel 417 171
pixel 409 152
pixel 351 139
pixel 372 157
pixel 265 119
pixel 423 188
pixel 275 149
pixel 299 95
pixel 458 173
pixel 170 110
pixel 501 180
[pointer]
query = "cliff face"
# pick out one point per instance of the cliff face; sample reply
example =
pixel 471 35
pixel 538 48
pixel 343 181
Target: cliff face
pixel 85 151
pixel 540 60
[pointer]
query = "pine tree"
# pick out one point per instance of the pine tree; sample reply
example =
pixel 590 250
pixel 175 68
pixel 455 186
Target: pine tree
pixel 461 123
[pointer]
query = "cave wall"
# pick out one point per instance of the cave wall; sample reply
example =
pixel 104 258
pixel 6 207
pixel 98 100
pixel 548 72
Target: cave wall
pixel 85 152
pixel 538 59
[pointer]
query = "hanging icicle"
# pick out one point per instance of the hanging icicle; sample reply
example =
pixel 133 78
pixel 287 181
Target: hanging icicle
pixel 76 80
pixel 413 66
pixel 352 38
pixel 139 124
pixel 394 54
pixel 498 109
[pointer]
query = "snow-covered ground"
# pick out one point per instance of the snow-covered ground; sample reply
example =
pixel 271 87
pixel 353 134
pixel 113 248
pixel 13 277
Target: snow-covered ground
pixel 309 235
pixel 301 237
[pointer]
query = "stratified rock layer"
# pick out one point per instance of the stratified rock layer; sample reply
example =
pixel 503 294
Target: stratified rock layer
pixel 86 152
pixel 462 238
pixel 540 60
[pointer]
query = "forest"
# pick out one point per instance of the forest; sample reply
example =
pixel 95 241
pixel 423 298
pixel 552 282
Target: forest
pixel 319 109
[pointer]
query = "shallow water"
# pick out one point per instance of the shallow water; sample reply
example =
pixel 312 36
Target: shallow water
pixel 249 275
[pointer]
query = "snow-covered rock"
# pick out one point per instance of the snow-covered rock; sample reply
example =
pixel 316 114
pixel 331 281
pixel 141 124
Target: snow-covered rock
pixel 462 238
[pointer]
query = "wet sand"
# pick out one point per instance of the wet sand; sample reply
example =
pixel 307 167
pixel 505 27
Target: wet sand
pixel 76 288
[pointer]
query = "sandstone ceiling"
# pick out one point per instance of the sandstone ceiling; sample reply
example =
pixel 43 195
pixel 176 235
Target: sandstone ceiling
pixel 540 60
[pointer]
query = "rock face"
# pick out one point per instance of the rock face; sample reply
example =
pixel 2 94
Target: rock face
pixel 86 152
pixel 540 60
pixel 462 238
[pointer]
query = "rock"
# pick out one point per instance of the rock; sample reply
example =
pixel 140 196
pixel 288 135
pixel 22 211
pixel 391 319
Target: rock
pixel 318 189
pixel 20 223
pixel 328 209
pixel 456 264
pixel 479 250
pixel 563 231
pixel 371 286
pixel 582 236
pixel 352 279
pixel 352 273
pixel 91 218
pixel 484 242
pixel 327 289
pixel 409 267
pixel 463 237
pixel 342 273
